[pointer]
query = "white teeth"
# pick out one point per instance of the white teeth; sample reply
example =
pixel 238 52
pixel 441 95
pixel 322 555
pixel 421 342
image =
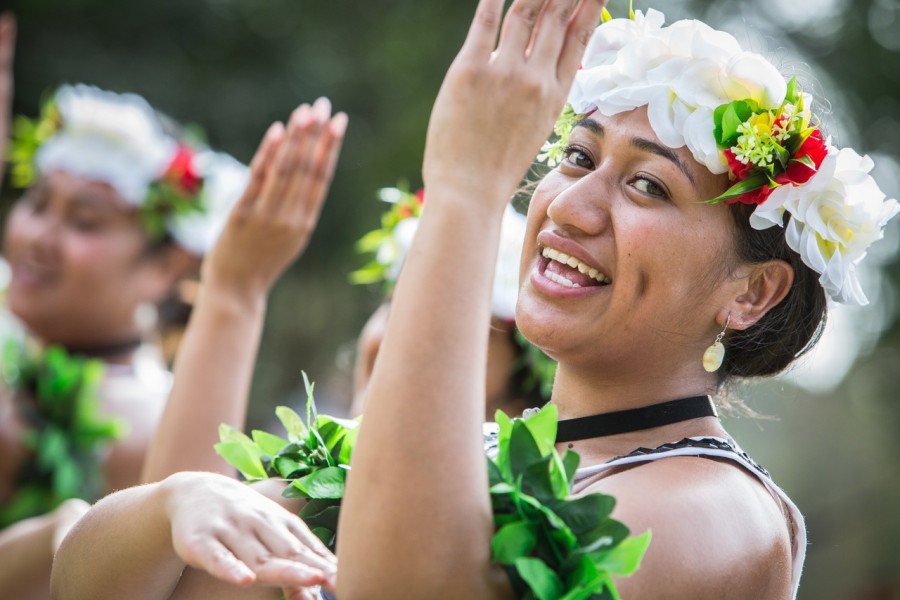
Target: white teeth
pixel 560 280
pixel 573 262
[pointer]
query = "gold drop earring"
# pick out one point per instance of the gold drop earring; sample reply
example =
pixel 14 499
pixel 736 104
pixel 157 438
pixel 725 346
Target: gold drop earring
pixel 715 354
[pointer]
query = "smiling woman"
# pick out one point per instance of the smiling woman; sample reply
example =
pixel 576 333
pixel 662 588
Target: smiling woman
pixel 115 212
pixel 695 205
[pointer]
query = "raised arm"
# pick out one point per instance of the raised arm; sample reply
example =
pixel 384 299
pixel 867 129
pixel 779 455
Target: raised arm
pixel 416 520
pixel 7 52
pixel 267 229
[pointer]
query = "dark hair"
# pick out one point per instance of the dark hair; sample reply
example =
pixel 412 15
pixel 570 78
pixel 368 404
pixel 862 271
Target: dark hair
pixel 790 328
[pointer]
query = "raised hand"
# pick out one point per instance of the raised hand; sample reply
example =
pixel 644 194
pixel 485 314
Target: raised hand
pixel 238 535
pixel 268 228
pixel 272 222
pixel 7 51
pixel 498 102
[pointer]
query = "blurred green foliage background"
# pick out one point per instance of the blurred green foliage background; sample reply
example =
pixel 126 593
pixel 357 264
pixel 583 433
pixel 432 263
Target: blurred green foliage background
pixel 234 66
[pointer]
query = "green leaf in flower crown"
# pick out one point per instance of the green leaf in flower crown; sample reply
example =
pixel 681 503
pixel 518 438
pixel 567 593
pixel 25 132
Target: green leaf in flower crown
pixel 545 584
pixel 793 94
pixel 727 119
pixel 292 423
pixel 625 558
pixel 323 483
pixel 513 541
pixel 755 181
pixel 268 443
pixel 243 456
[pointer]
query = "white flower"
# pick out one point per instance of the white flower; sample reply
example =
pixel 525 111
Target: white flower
pixel 393 250
pixel 108 137
pixel 835 216
pixel 506 272
pixel 681 73
pixel 224 180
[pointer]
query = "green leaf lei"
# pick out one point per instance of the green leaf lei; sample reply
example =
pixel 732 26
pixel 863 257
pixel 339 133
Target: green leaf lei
pixel 65 430
pixel 314 458
pixel 553 546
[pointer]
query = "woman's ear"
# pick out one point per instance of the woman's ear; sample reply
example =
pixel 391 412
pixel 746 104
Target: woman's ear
pixel 761 287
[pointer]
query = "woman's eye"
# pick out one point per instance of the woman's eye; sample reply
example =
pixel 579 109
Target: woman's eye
pixel 35 202
pixel 84 222
pixel 575 156
pixel 648 186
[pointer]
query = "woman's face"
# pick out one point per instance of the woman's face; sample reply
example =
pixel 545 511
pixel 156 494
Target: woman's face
pixel 79 261
pixel 630 212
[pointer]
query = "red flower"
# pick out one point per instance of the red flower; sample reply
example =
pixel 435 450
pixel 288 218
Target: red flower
pixel 757 196
pixel 420 196
pixel 183 173
pixel 738 169
pixel 798 173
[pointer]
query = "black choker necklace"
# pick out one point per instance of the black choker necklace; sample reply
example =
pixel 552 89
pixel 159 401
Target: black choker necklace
pixel 634 419
pixel 108 351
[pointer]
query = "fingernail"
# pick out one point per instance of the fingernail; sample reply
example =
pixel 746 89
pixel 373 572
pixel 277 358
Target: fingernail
pixel 339 123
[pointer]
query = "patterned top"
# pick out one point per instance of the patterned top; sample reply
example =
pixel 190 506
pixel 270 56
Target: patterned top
pixel 714 447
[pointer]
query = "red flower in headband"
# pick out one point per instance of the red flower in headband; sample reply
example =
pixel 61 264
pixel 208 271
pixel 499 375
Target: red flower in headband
pixel 182 172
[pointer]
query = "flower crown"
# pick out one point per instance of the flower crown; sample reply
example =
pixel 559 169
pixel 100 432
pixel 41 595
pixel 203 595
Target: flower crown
pixel 120 140
pixel 392 241
pixel 737 115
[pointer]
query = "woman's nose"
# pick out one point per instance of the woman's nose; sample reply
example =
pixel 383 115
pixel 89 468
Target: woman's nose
pixel 582 206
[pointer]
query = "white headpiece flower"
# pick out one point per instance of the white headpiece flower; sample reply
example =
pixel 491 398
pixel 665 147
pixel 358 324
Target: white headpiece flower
pixel 120 140
pixel 391 243
pixel 736 114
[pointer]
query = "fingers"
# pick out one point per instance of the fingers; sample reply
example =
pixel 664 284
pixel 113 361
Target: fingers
pixel 211 555
pixel 312 186
pixel 264 156
pixel 287 159
pixel 7 40
pixel 551 31
pixel 482 37
pixel 519 27
pixel 285 543
pixel 299 529
pixel 581 27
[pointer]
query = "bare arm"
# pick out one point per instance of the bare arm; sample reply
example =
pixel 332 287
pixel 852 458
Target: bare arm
pixel 7 52
pixel 422 528
pixel 136 543
pixel 268 228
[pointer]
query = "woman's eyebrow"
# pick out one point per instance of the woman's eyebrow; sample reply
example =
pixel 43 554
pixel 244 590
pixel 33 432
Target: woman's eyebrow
pixel 667 153
pixel 642 144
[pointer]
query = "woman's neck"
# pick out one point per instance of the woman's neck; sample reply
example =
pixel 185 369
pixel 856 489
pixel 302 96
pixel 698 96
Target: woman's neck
pixel 119 351
pixel 581 392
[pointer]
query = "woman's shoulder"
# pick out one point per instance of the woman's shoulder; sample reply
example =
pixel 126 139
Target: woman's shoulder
pixel 717 531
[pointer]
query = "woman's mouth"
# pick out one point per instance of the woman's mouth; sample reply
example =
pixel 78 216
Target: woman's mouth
pixel 569 271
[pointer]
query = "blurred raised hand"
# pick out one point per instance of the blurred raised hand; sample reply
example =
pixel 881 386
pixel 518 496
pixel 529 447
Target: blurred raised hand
pixel 267 229
pixel 7 52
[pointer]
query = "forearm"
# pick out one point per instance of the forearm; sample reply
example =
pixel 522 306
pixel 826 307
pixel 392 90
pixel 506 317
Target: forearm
pixel 424 410
pixel 122 548
pixel 212 376
pixel 26 553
